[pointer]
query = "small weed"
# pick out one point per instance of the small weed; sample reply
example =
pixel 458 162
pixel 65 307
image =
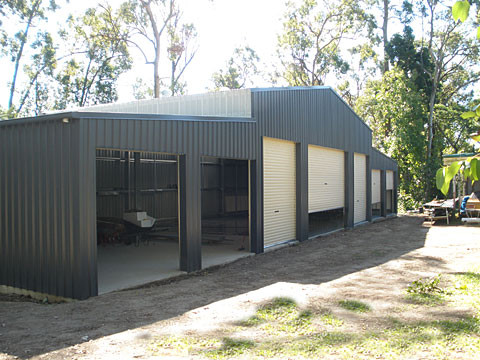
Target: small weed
pixel 425 286
pixel 354 305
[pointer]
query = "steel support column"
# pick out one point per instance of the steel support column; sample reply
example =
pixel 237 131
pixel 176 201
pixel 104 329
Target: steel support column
pixel 302 190
pixel 369 189
pixel 383 193
pixel 190 212
pixel 349 188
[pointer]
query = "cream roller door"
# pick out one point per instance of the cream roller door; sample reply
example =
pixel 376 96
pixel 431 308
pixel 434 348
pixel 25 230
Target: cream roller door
pixel 389 180
pixel 360 188
pixel 326 179
pixel 376 187
pixel 279 191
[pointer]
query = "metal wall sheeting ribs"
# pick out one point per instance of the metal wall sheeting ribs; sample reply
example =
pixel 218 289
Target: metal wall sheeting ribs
pixel 381 161
pixel 45 196
pixel 227 139
pixel 48 176
pixel 222 103
pixel 308 116
pixel 316 116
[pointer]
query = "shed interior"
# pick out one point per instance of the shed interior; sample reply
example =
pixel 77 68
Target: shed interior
pixel 225 208
pixel 389 201
pixel 129 185
pixel 133 184
pixel 323 222
pixel 376 210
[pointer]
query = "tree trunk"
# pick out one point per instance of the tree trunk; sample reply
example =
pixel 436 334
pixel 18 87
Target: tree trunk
pixel 172 79
pixel 431 108
pixel 20 52
pixel 386 66
pixel 156 75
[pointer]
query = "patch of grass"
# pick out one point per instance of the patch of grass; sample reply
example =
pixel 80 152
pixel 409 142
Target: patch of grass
pixel 426 299
pixel 467 289
pixel 280 309
pixel 327 318
pixel 184 345
pixel 251 321
pixel 355 306
pixel 230 347
pixel 282 330
pixel 467 325
pixel 282 317
pixel 331 320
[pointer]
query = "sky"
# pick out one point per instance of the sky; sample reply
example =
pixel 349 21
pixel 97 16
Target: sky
pixel 222 25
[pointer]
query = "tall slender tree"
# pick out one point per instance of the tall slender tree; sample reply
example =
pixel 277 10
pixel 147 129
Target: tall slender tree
pixel 29 46
pixel 310 46
pixel 159 35
pixel 181 51
pixel 98 56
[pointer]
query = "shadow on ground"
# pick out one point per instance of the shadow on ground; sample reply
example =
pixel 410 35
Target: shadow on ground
pixel 29 329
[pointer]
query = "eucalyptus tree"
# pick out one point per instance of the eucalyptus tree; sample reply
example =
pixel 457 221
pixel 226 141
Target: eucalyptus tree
pixel 30 49
pixel 240 70
pixel 310 47
pixel 98 54
pixel 181 50
pixel 158 33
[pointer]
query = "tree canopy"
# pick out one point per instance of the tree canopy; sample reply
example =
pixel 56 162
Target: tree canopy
pixel 409 68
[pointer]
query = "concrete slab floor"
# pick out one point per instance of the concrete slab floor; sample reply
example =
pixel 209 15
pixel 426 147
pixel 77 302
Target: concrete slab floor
pixel 121 266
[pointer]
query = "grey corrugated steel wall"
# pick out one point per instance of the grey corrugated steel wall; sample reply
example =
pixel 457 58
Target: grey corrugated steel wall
pixel 381 161
pixel 230 137
pixel 316 116
pixel 52 164
pixel 50 246
pixel 45 193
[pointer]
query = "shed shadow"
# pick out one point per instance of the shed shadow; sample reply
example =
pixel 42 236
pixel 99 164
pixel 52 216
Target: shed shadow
pixel 40 329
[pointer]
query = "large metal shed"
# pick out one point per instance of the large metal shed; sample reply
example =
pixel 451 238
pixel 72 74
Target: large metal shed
pixel 297 145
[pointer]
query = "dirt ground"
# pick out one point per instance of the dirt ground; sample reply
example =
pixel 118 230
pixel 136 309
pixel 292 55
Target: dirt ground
pixel 373 263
